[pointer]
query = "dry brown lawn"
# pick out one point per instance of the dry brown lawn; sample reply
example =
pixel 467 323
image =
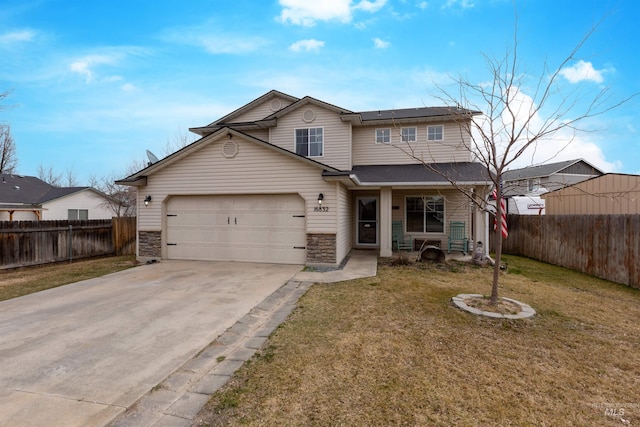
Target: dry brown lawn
pixel 23 281
pixel 392 350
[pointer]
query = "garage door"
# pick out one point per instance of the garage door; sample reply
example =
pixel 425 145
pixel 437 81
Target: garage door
pixel 256 228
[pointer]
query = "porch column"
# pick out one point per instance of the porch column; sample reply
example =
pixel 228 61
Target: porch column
pixel 385 222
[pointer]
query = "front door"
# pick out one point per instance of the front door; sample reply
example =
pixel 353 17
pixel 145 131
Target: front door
pixel 367 230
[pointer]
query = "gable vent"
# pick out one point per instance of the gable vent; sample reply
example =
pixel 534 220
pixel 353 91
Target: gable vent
pixel 275 105
pixel 230 149
pixel 309 115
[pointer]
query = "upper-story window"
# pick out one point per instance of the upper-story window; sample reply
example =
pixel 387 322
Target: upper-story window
pixel 383 136
pixel 310 142
pixel 435 133
pixel 409 134
pixel 534 184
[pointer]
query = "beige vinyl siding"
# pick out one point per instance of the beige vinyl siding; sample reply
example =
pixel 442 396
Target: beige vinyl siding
pixel 456 208
pixel 450 149
pixel 261 111
pixel 254 170
pixel 262 134
pixel 58 209
pixel 336 134
pixel 344 238
pixel 606 195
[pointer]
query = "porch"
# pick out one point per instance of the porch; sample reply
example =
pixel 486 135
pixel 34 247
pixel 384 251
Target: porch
pixel 395 220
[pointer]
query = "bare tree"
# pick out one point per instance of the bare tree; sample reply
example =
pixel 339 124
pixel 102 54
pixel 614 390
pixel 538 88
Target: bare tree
pixel 68 178
pixel 8 157
pixel 49 176
pixel 512 124
pixel 121 199
pixel 180 140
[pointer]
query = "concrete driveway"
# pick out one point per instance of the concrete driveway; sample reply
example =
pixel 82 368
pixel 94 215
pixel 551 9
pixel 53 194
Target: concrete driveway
pixel 80 354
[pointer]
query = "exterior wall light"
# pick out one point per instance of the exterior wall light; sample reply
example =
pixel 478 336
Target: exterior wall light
pixel 320 199
pixel 147 200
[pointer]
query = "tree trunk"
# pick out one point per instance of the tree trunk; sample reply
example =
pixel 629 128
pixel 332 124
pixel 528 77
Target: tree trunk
pixel 496 267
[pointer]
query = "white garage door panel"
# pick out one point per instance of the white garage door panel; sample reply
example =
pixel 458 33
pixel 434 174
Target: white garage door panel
pixel 237 228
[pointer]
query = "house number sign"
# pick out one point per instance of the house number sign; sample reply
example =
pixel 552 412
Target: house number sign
pixel 321 209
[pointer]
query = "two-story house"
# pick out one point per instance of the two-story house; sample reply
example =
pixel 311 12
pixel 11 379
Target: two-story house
pixel 298 180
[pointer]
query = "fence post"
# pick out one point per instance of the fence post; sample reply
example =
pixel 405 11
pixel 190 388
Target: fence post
pixel 70 243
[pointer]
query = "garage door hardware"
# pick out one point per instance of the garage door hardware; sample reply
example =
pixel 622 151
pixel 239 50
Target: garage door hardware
pixel 298 216
pixel 299 247
pixel 172 244
pixel 235 220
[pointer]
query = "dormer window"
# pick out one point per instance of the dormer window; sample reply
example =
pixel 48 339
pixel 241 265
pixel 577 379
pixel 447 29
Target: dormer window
pixel 310 142
pixel 383 136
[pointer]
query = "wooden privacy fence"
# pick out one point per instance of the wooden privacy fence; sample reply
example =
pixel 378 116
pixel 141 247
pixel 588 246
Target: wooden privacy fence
pixel 24 243
pixel 605 246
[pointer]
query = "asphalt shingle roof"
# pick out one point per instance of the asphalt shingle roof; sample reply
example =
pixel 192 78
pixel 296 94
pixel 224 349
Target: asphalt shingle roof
pixel 29 190
pixel 411 113
pixel 463 172
pixel 539 171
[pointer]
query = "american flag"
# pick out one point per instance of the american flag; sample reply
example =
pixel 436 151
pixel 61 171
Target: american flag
pixel 503 208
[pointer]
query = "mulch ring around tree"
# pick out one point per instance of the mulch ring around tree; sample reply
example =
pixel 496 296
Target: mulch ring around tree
pixel 506 308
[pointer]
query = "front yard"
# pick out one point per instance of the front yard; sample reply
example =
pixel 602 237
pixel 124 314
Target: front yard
pixel 392 350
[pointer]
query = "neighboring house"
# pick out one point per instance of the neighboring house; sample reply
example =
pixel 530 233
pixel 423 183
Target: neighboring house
pixel 536 180
pixel 612 193
pixel 297 180
pixel 27 198
pixel 522 187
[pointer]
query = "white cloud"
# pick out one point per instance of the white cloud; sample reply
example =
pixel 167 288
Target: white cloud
pixel 128 87
pixel 423 5
pixel 380 44
pixel 582 71
pixel 306 45
pixel 88 66
pixel 215 43
pixel 458 4
pixel 565 144
pixel 84 65
pixel 370 6
pixel 16 36
pixel 306 13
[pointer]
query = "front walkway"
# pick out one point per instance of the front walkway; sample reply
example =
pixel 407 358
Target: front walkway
pixel 362 263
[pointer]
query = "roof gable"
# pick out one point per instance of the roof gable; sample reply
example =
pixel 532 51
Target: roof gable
pixel 139 178
pixel 306 101
pixel 269 96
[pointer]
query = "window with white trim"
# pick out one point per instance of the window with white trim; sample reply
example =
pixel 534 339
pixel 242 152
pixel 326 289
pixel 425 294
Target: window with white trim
pixel 435 133
pixel 75 214
pixel 383 136
pixel 310 142
pixel 424 214
pixel 409 134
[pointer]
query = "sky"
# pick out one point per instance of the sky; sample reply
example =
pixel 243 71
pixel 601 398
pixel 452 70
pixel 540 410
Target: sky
pixel 93 85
